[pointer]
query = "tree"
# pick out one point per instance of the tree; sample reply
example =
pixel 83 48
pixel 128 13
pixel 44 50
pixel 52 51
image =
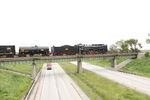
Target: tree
pixel 134 45
pixel 122 46
pixel 113 48
pixel 148 40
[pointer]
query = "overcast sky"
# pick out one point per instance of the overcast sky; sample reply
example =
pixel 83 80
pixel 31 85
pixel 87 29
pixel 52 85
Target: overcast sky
pixel 59 22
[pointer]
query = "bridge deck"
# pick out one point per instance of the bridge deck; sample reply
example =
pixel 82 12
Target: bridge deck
pixel 68 57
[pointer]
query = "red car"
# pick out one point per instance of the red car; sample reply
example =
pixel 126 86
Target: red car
pixel 49 66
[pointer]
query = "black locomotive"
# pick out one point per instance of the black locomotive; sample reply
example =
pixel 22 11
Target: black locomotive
pixel 79 49
pixel 31 51
pixel 7 50
pixel 93 49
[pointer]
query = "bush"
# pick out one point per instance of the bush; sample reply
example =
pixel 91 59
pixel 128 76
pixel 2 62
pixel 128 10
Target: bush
pixel 147 54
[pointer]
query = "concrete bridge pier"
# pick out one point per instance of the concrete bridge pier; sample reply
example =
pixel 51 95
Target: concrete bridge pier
pixel 113 62
pixel 33 70
pixel 79 66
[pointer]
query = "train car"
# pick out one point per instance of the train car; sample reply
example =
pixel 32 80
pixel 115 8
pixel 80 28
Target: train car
pixel 94 49
pixel 31 51
pixel 64 50
pixel 7 50
pixel 79 49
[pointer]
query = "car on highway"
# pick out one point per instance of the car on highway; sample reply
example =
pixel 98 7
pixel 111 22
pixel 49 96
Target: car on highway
pixel 49 66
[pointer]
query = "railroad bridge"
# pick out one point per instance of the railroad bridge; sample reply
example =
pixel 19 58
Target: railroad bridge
pixel 78 58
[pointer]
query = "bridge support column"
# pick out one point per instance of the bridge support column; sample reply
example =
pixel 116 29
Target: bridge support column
pixel 113 62
pixel 79 66
pixel 33 70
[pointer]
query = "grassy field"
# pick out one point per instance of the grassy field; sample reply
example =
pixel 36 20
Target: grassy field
pixel 24 68
pixel 13 87
pixel 100 62
pixel 139 66
pixel 106 62
pixel 99 88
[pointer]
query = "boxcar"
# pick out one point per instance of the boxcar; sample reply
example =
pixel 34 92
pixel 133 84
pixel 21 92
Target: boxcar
pixel 7 50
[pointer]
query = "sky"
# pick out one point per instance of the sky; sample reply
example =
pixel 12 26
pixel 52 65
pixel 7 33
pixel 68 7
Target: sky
pixel 61 22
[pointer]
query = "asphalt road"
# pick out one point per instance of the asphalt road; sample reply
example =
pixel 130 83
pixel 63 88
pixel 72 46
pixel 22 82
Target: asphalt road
pixel 138 83
pixel 55 84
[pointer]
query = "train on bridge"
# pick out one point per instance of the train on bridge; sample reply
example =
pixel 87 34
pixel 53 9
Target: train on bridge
pixel 84 49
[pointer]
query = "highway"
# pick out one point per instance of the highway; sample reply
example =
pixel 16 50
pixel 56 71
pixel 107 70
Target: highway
pixel 55 84
pixel 138 83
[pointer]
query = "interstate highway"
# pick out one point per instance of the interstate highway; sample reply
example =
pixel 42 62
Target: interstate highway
pixel 55 84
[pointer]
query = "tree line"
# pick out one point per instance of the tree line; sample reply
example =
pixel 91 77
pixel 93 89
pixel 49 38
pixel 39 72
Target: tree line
pixel 130 45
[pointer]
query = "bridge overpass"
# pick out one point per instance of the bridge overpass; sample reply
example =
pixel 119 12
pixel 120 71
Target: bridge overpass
pixel 78 58
pixel 46 82
pixel 67 58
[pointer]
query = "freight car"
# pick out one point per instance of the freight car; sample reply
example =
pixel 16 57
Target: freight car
pixel 7 50
pixel 31 51
pixel 64 50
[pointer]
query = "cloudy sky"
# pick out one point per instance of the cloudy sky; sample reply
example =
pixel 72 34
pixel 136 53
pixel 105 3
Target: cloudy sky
pixel 59 22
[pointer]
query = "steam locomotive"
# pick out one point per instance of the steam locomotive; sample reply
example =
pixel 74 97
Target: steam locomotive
pixel 79 49
pixel 9 50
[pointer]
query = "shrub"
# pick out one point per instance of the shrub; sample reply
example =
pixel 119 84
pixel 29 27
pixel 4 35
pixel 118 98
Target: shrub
pixel 147 54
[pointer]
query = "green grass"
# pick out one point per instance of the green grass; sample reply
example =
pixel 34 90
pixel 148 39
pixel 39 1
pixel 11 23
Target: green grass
pixel 139 66
pixel 99 88
pixel 13 87
pixel 105 62
pixel 24 68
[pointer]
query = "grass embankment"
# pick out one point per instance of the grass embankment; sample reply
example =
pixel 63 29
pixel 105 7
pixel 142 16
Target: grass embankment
pixel 121 59
pixel 13 87
pixel 99 88
pixel 24 68
pixel 106 62
pixel 139 66
pixel 103 62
